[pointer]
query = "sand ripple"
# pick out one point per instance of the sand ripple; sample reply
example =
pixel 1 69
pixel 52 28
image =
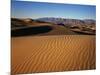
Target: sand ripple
pixel 52 53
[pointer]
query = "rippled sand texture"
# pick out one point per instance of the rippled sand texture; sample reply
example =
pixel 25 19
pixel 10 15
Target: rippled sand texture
pixel 52 53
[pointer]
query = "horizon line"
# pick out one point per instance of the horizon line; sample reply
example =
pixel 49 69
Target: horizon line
pixel 52 17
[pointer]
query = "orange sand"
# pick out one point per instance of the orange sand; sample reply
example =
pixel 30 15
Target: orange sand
pixel 52 53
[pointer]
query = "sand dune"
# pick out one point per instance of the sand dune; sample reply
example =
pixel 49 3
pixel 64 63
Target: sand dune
pixel 29 27
pixel 41 30
pixel 52 53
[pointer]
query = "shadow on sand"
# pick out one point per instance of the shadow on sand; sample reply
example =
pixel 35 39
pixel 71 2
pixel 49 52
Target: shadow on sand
pixel 26 31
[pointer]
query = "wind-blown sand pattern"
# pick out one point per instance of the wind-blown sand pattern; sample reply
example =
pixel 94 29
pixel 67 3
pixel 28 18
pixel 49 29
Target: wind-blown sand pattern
pixel 52 53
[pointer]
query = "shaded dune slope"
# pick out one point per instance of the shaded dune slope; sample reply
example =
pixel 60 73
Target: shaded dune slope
pixel 30 30
pixel 52 53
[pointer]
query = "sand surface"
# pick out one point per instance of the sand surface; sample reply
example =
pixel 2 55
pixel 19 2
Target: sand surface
pixel 34 54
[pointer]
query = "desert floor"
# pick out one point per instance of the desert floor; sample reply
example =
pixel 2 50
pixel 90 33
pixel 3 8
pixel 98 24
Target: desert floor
pixel 35 54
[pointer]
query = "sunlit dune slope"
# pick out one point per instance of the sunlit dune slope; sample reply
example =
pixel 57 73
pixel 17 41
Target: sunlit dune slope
pixel 52 53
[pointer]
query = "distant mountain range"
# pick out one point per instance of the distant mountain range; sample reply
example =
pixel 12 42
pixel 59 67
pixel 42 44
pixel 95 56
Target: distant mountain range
pixel 68 21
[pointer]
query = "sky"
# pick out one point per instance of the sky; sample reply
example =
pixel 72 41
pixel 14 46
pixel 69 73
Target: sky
pixel 34 10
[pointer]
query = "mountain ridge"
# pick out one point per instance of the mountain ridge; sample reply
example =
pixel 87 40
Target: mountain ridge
pixel 67 21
